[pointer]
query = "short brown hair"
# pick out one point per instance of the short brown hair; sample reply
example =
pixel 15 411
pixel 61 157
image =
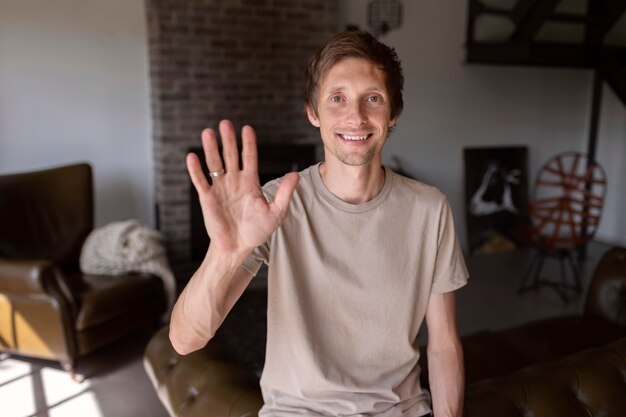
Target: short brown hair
pixel 355 44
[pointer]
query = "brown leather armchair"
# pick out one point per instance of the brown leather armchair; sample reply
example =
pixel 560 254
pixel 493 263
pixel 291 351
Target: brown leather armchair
pixel 48 308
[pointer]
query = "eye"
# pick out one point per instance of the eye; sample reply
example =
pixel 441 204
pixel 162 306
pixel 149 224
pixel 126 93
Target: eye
pixel 335 99
pixel 374 99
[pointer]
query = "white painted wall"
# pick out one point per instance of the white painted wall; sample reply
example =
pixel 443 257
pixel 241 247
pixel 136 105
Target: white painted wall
pixel 74 86
pixel 450 105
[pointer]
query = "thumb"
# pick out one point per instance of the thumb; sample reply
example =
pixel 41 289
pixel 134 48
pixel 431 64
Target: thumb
pixel 284 193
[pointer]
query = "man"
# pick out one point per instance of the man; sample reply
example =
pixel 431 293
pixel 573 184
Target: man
pixel 358 256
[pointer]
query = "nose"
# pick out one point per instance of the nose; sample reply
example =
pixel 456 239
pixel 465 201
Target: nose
pixel 357 113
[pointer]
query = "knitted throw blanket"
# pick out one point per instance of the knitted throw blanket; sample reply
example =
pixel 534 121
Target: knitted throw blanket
pixel 128 246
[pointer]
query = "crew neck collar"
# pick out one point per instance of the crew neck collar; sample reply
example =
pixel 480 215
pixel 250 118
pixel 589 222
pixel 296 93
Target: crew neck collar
pixel 349 207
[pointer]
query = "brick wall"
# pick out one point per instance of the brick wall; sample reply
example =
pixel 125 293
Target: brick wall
pixel 215 59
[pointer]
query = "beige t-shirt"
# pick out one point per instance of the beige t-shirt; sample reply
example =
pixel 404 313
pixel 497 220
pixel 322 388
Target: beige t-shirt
pixel 348 288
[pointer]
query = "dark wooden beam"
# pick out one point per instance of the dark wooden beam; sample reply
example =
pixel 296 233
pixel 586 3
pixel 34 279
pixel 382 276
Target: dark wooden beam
pixel 535 17
pixel 596 103
pixel 529 16
pixel 521 10
pixel 542 54
pixel 613 65
pixel 574 18
pixel 477 8
pixel 472 13
pixel 497 11
pixel 592 143
pixel 605 13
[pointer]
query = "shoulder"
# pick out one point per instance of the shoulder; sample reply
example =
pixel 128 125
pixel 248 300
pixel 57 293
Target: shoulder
pixel 415 191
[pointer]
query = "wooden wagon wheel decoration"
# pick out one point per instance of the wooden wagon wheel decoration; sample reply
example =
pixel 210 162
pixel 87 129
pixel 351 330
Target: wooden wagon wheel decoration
pixel 568 201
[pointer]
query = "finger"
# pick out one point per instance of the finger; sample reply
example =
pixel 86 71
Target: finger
pixel 195 172
pixel 249 153
pixel 287 186
pixel 229 146
pixel 211 152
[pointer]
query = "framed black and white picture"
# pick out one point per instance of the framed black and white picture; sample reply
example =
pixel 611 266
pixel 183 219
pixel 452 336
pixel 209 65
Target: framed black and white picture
pixel 496 196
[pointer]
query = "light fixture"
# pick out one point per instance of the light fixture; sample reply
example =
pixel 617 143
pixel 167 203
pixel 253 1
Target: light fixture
pixel 383 16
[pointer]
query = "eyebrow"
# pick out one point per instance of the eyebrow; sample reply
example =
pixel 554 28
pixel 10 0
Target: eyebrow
pixel 369 90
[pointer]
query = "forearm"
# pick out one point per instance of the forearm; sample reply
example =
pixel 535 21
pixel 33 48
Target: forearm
pixel 238 218
pixel 206 300
pixel 447 380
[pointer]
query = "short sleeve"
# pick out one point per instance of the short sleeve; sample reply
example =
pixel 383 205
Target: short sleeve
pixel 261 254
pixel 256 259
pixel 450 270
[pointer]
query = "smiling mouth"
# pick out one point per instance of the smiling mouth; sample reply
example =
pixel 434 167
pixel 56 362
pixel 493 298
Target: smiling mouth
pixel 354 138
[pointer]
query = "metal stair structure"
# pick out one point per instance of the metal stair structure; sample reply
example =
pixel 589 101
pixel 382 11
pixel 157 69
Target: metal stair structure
pixel 557 33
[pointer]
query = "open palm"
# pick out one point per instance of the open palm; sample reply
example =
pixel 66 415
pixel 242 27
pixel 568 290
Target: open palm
pixel 236 214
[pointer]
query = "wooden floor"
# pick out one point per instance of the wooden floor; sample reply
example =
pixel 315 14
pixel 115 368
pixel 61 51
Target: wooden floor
pixel 117 386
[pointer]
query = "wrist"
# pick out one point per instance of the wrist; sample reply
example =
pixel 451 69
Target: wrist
pixel 227 258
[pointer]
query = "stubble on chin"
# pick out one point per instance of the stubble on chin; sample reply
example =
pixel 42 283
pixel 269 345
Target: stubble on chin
pixel 356 160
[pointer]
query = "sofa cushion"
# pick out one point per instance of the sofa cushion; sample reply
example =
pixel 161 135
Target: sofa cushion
pixel 589 383
pixel 552 338
pixel 490 354
pixel 486 355
pixel 103 298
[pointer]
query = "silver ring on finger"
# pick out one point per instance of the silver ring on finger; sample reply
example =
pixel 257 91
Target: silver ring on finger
pixel 217 174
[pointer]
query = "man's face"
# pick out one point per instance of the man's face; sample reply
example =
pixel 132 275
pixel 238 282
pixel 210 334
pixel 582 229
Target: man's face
pixel 353 112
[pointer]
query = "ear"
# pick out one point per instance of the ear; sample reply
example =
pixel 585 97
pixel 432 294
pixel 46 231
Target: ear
pixel 312 116
pixel 392 122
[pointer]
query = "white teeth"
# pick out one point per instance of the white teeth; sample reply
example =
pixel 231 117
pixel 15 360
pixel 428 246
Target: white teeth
pixel 348 137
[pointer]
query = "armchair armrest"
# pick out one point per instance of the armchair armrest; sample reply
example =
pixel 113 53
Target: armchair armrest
pixel 607 292
pixel 26 276
pixel 205 383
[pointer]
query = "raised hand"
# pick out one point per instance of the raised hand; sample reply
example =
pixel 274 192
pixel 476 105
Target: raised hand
pixel 236 214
